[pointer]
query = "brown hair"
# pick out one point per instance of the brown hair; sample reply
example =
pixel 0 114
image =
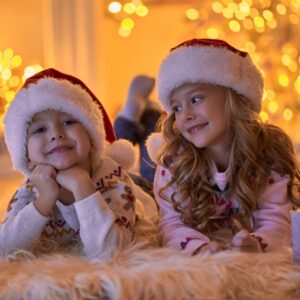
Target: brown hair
pixel 256 149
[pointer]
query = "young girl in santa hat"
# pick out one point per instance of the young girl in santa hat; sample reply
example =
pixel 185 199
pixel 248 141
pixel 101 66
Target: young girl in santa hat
pixel 58 135
pixel 225 179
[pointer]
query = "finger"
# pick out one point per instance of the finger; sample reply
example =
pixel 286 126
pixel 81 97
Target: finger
pixel 241 235
pixel 239 238
pixel 214 246
pixel 44 171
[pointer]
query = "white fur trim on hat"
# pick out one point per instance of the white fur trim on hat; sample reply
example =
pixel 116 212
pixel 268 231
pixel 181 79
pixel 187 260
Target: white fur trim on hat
pixel 122 152
pixel 213 65
pixel 59 95
pixel 153 143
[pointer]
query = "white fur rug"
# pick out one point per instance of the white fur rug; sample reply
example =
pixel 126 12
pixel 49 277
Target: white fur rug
pixel 153 274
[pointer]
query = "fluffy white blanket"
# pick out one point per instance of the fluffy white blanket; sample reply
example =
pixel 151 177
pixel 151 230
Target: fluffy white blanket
pixel 152 274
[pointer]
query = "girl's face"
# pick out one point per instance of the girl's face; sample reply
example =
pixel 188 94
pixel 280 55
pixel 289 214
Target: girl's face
pixel 57 139
pixel 201 117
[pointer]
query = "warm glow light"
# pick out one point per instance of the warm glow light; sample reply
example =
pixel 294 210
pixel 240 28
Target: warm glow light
pixel 29 71
pixel 141 11
pixel 287 114
pixel 240 15
pixel 233 6
pixel 192 14
pixel 127 23
pixel 250 47
pixel 264 116
pixel 281 9
pixel 115 7
pixel 10 78
pixel 273 106
pixel 244 7
pixel 290 49
pixel 283 80
pixel 272 23
pixel 8 53
pixel 136 2
pixel 212 33
pixel 227 13
pixel 259 22
pixel 267 14
pixel 293 67
pixel 297 84
pixel 234 26
pixel 270 94
pixel 286 60
pixel 129 8
pixel 124 32
pixel 217 7
pixel 16 61
pixel 6 74
pixel 14 81
pixel 9 95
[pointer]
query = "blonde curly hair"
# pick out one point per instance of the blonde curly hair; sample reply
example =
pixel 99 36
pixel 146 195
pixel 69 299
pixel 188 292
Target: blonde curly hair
pixel 256 149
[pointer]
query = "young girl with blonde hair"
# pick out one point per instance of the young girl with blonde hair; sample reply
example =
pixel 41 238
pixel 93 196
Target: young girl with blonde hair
pixel 77 194
pixel 224 179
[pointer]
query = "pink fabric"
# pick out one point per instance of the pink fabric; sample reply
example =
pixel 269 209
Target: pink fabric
pixel 271 222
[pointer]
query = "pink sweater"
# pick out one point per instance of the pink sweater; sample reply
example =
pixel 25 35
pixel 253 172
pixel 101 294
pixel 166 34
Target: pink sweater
pixel 271 222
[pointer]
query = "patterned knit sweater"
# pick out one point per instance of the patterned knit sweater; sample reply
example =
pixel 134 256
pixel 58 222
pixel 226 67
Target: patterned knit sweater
pixel 270 224
pixel 101 223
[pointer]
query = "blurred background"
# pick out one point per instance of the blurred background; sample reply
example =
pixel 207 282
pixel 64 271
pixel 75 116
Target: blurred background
pixel 105 43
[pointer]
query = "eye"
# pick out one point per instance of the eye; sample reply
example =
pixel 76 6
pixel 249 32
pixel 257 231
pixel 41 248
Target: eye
pixel 196 99
pixel 68 122
pixel 176 108
pixel 39 130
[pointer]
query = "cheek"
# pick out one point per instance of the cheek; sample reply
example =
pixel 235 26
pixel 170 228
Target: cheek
pixel 32 149
pixel 177 125
pixel 85 142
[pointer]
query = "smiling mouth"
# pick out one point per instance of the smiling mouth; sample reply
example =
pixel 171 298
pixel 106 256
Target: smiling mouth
pixel 196 128
pixel 59 149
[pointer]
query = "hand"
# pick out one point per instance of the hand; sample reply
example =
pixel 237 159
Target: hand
pixel 141 86
pixel 138 97
pixel 243 241
pixel 210 248
pixel 43 178
pixel 76 180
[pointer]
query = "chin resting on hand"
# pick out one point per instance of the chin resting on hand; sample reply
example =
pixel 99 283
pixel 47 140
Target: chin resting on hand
pixel 77 180
pixel 43 178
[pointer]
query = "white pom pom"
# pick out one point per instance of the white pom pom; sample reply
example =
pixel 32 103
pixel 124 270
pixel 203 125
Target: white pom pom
pixel 122 152
pixel 153 144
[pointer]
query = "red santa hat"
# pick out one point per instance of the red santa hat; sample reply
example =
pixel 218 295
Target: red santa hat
pixel 51 89
pixel 209 61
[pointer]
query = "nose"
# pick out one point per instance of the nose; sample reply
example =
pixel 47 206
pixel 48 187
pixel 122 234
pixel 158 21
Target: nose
pixel 56 137
pixel 56 134
pixel 188 113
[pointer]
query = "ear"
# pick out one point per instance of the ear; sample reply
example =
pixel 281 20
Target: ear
pixel 122 152
pixel 153 144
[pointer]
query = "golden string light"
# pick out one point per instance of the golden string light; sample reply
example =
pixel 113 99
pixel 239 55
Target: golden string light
pixel 267 30
pixel 124 12
pixel 12 76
